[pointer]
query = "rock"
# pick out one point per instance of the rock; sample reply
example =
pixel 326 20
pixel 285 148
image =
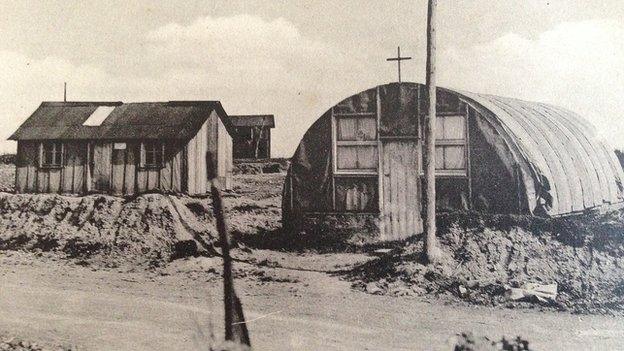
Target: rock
pixel 462 290
pixel 372 288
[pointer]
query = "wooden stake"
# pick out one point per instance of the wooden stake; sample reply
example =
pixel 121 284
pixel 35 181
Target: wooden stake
pixel 235 327
pixel 430 247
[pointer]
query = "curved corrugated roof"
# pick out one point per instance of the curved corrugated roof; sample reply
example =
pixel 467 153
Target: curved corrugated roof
pixel 579 168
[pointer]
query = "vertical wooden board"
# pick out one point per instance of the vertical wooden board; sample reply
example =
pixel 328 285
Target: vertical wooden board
pixel 73 172
pixel 118 171
pixel 43 181
pixel 102 158
pixel 54 180
pixel 176 170
pixel 130 169
pixel 202 146
pixel 28 163
pixel 21 168
pixel 152 179
pixel 401 210
pixel 190 167
pixel 141 180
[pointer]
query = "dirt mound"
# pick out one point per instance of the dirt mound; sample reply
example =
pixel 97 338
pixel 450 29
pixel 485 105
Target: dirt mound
pixel 251 166
pixel 486 255
pixel 151 228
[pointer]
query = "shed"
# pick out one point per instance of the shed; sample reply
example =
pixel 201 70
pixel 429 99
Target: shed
pixel 123 148
pixel 252 136
pixel 361 160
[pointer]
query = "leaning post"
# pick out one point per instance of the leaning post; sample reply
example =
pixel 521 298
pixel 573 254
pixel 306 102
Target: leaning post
pixel 235 327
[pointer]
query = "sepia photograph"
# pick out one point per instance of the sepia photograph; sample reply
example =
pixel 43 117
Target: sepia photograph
pixel 237 175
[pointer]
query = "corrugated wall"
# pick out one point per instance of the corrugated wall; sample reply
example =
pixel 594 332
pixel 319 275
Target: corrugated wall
pixel 579 171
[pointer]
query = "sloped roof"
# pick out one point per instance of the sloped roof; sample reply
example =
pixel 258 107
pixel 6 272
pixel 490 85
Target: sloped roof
pixel 253 120
pixel 141 120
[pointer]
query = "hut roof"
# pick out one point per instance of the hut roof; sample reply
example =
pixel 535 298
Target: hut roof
pixel 253 120
pixel 140 120
pixel 578 168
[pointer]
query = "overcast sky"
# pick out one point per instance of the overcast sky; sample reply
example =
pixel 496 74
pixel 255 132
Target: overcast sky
pixel 296 59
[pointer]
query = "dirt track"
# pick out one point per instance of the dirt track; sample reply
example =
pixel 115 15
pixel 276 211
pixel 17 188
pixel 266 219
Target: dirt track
pixel 56 302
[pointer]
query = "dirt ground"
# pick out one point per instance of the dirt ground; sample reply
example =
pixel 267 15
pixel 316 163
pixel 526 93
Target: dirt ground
pixel 53 301
pixel 65 284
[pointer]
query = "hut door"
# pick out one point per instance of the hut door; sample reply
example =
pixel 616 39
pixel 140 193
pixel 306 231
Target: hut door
pixel 100 166
pixel 400 191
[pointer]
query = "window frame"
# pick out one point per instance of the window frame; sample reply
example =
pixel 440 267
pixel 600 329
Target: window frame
pixel 463 142
pixel 157 149
pixel 368 143
pixel 58 151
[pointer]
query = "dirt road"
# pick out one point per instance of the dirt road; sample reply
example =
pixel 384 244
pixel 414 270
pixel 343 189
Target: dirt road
pixel 53 301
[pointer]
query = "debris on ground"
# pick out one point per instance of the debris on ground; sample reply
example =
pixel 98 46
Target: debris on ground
pixel 533 291
pixel 16 344
pixel 470 342
pixel 574 264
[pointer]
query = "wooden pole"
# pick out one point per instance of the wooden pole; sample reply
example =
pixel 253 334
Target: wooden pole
pixel 430 247
pixel 235 327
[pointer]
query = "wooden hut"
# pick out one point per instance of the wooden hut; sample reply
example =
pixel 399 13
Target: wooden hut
pixel 123 148
pixel 252 136
pixel 361 160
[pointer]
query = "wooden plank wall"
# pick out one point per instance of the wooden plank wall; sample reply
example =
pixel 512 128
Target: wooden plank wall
pixel 26 171
pixel 224 155
pixel 196 160
pixel 116 172
pixel 74 170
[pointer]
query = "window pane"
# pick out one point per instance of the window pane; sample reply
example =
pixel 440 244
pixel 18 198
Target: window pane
pixel 454 157
pixel 356 128
pixel 439 127
pixel 367 157
pixel 367 128
pixel 346 157
pixel 439 157
pixel 454 127
pixel 357 158
pixel 347 128
pixel 357 194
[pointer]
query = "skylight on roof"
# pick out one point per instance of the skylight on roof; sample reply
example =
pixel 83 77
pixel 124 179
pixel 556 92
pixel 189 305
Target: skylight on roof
pixel 98 116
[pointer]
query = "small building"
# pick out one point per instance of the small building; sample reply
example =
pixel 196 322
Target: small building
pixel 123 148
pixel 252 136
pixel 360 163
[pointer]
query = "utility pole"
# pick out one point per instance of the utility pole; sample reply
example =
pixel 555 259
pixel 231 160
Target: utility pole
pixel 431 250
pixel 64 91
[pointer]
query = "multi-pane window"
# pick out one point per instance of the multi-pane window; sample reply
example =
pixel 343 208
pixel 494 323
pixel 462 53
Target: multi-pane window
pixel 356 145
pixel 356 162
pixel 451 144
pixel 152 154
pixel 51 154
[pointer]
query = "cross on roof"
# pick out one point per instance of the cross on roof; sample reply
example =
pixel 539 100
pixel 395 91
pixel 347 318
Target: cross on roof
pixel 398 59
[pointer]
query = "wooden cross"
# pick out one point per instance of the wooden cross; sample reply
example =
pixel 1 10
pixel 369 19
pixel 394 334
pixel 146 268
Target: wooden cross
pixel 399 59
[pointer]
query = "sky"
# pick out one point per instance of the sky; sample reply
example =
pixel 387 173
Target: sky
pixel 296 59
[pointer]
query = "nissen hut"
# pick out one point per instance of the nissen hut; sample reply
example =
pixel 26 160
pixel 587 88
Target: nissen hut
pixel 123 148
pixel 361 162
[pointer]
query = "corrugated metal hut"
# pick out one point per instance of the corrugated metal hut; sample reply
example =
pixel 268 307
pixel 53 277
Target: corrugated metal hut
pixel 362 161
pixel 122 148
pixel 252 136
